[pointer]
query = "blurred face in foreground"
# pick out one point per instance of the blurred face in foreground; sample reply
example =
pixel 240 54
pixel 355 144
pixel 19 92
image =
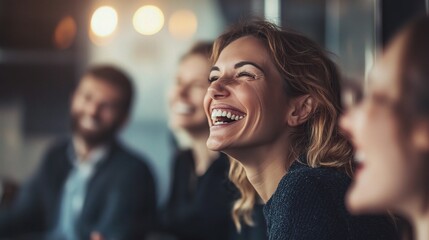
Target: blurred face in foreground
pixel 389 172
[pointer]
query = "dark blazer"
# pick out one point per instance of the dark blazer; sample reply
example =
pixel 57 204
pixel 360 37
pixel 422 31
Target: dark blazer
pixel 199 207
pixel 120 201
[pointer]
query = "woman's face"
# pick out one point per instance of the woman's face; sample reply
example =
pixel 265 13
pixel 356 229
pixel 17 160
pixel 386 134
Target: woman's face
pixel 245 102
pixel 385 174
pixel 187 95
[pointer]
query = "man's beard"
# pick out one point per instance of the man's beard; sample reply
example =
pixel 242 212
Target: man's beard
pixel 93 138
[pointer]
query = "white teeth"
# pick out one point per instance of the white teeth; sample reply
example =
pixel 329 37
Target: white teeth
pixel 216 113
pixel 219 113
pixel 182 108
pixel 88 123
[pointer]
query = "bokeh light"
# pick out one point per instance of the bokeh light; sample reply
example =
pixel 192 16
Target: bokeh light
pixel 182 24
pixel 104 21
pixel 65 33
pixel 148 20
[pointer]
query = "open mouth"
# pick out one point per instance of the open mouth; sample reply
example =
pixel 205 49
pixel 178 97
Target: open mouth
pixel 89 123
pixel 359 159
pixel 182 108
pixel 225 116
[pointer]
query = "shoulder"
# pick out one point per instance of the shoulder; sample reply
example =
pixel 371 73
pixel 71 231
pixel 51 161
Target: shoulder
pixel 322 180
pixel 58 146
pixel 183 159
pixel 304 205
pixel 127 160
pixel 126 155
pixel 56 153
pixel 311 189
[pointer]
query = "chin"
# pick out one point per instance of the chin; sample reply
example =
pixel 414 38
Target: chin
pixel 358 203
pixel 215 145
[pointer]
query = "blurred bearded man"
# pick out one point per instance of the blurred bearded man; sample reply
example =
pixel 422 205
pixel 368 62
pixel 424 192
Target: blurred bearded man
pixel 88 184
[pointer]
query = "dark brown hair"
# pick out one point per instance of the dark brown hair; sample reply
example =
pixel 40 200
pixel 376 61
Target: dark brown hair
pixel 203 48
pixel 414 71
pixel 118 78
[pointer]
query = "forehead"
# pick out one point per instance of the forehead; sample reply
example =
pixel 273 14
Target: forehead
pixel 99 88
pixel 194 64
pixel 386 74
pixel 247 47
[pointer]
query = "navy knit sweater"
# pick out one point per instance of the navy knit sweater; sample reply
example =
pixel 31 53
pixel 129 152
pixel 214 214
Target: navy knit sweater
pixel 309 204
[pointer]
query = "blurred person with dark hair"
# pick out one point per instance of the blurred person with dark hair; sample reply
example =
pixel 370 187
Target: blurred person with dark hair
pixel 390 132
pixel 89 183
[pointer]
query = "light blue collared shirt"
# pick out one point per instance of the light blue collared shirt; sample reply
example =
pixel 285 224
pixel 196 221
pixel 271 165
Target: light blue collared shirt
pixel 74 190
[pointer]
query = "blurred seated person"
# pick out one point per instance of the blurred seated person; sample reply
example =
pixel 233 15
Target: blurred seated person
pixel 201 197
pixel 199 203
pixel 88 183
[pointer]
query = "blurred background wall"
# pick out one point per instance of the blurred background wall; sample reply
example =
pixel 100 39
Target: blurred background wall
pixel 45 46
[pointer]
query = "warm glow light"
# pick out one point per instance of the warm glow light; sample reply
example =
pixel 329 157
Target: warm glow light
pixel 104 21
pixel 148 20
pixel 65 33
pixel 182 24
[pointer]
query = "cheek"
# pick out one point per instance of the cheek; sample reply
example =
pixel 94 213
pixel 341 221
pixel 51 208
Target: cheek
pixel 109 116
pixel 375 132
pixel 385 176
pixel 197 97
pixel 252 97
pixel 77 104
pixel 380 186
pixel 206 103
pixel 172 96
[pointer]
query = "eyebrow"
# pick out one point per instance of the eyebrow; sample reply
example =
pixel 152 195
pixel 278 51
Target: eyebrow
pixel 214 68
pixel 240 64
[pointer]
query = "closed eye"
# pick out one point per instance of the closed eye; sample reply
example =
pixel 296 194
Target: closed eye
pixel 213 78
pixel 246 74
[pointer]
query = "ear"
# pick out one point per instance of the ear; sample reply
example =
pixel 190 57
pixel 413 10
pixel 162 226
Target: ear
pixel 420 135
pixel 300 109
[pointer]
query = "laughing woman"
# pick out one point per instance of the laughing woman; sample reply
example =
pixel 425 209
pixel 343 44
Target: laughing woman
pixel 390 129
pixel 273 105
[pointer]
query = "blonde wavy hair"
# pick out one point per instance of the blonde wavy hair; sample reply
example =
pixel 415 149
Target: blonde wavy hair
pixel 306 69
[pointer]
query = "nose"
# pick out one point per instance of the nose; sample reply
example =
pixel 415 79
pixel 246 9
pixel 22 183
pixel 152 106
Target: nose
pixel 217 90
pixel 182 90
pixel 346 122
pixel 92 108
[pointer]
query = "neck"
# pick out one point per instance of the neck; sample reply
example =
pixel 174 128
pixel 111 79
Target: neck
pixel 419 217
pixel 421 227
pixel 203 157
pixel 265 165
pixel 83 148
